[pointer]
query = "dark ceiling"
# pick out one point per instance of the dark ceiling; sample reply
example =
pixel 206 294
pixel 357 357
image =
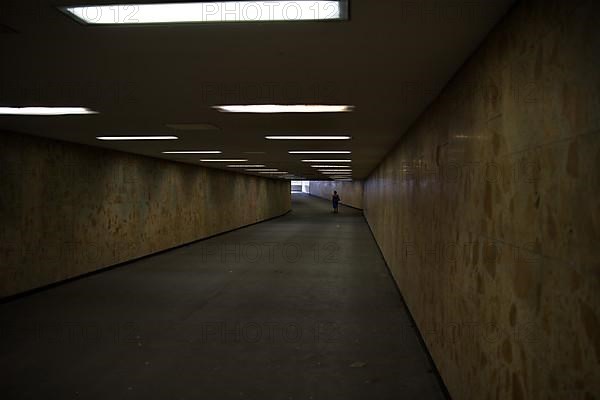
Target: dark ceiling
pixel 389 61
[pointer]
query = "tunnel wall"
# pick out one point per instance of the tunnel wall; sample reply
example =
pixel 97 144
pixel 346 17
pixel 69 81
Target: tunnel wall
pixel 351 192
pixel 488 211
pixel 69 209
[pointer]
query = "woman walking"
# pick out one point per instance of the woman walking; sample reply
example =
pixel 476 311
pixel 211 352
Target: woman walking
pixel 335 199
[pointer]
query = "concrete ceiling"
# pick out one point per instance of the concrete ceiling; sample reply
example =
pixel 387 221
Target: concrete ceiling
pixel 389 60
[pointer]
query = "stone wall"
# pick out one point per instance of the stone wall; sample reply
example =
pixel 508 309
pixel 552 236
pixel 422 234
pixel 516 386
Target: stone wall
pixel 488 211
pixel 351 192
pixel 68 209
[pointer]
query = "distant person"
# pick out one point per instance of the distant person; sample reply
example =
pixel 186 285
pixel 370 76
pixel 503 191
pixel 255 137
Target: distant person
pixel 335 199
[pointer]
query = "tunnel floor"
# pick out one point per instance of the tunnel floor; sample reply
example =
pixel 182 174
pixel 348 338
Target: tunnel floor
pixel 298 307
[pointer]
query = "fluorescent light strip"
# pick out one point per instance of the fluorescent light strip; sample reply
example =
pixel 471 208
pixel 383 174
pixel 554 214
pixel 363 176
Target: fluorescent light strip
pixel 284 108
pixel 330 166
pixel 137 137
pixel 329 171
pixel 308 137
pixel 274 172
pixel 223 160
pixel 246 166
pixel 201 12
pixel 193 152
pixel 46 111
pixel 262 169
pixel 334 161
pixel 320 152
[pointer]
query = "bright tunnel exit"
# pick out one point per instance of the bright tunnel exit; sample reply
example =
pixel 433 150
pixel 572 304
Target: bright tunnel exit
pixel 300 186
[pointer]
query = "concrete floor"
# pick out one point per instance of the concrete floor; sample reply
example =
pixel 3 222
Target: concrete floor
pixel 299 307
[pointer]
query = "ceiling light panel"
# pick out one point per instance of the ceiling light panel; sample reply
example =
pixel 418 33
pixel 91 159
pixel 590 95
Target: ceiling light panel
pixel 333 161
pixel 281 137
pixel 209 12
pixel 193 152
pixel 223 160
pixel 137 137
pixel 284 108
pixel 46 111
pixel 319 152
pixel 330 166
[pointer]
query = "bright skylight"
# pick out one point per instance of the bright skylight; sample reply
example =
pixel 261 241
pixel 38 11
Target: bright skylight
pixel 203 12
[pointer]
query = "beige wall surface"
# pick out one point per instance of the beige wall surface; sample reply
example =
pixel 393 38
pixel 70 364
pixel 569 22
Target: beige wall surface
pixel 351 193
pixel 488 211
pixel 68 209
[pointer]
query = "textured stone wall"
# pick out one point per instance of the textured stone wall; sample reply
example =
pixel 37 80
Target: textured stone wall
pixel 68 209
pixel 351 193
pixel 488 211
